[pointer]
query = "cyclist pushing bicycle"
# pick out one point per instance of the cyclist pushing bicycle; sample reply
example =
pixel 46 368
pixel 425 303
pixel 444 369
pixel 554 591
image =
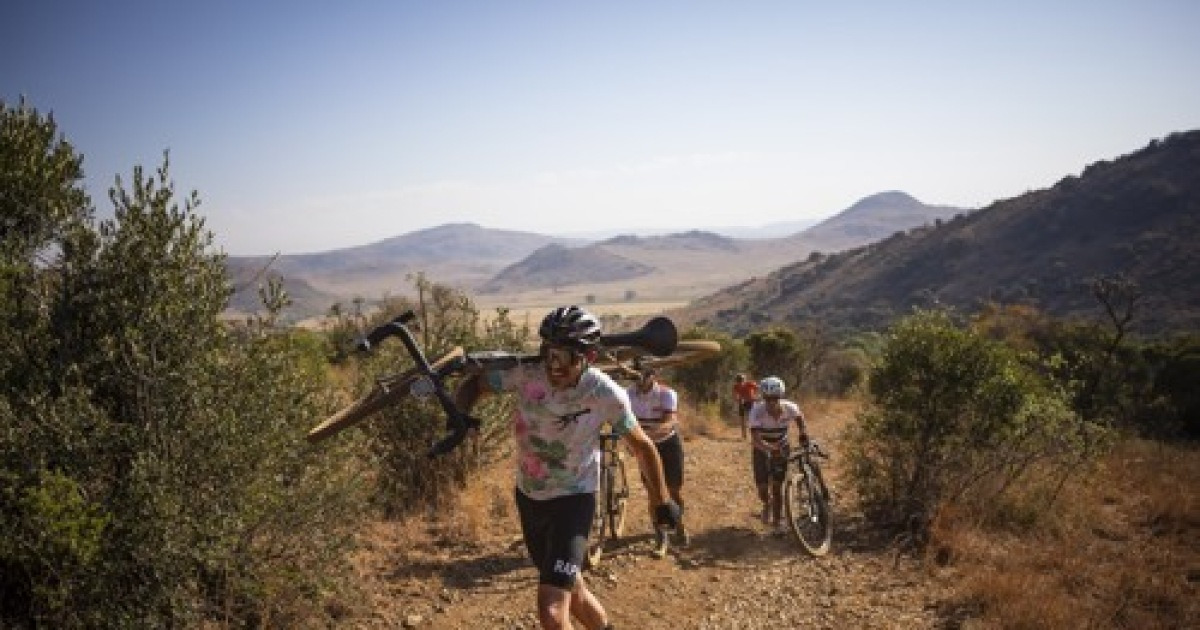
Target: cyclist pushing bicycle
pixel 562 403
pixel 768 421
pixel 656 406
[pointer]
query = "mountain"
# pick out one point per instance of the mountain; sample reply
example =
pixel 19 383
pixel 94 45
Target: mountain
pixel 676 266
pixel 306 299
pixel 1136 217
pixel 555 266
pixel 462 254
pixel 874 218
pixel 688 264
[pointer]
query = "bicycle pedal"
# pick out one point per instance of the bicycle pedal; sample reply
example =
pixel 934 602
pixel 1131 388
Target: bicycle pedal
pixel 661 545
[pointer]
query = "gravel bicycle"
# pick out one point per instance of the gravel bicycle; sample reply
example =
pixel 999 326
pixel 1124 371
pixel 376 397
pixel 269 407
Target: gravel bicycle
pixel 806 499
pixel 656 340
pixel 612 494
pixel 612 498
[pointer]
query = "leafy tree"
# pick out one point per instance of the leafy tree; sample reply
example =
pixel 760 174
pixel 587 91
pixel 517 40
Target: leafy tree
pixel 706 381
pixel 399 437
pixel 956 418
pixel 151 468
pixel 795 355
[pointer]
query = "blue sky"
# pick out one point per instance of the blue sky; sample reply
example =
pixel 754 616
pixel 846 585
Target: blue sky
pixel 309 126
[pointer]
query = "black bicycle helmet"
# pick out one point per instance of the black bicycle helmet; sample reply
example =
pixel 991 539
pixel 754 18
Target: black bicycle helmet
pixel 570 326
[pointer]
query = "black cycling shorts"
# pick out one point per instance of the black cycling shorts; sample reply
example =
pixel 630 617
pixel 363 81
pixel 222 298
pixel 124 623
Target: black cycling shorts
pixel 556 535
pixel 744 407
pixel 775 467
pixel 670 451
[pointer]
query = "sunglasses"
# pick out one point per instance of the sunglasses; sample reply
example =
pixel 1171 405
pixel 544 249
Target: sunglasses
pixel 558 355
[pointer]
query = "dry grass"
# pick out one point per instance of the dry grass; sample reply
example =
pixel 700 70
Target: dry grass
pixel 702 420
pixel 1119 550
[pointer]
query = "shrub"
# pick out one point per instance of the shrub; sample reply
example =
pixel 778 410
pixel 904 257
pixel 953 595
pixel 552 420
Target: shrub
pixel 153 468
pixel 955 418
pixel 400 436
pixel 705 381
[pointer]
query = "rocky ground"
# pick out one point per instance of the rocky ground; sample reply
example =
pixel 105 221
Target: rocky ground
pixel 734 574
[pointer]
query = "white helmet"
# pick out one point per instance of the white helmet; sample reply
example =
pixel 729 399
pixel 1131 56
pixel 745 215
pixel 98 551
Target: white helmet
pixel 771 387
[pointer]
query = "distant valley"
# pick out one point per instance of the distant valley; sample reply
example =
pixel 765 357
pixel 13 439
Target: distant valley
pixel 1135 218
pixel 523 266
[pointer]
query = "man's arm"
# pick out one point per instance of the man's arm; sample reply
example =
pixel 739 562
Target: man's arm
pixel 802 426
pixel 649 463
pixel 469 391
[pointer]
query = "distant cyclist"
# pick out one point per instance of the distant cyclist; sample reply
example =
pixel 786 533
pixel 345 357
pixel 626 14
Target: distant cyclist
pixel 656 406
pixel 561 404
pixel 769 420
pixel 745 392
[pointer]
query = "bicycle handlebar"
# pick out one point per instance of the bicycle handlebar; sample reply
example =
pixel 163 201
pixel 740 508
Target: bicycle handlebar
pixel 458 424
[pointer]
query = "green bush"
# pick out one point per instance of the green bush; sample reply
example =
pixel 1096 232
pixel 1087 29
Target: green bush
pixel 153 467
pixel 707 381
pixel 956 418
pixel 399 437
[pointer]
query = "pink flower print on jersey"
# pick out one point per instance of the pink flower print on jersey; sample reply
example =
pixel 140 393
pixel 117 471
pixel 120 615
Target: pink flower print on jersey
pixel 534 467
pixel 533 391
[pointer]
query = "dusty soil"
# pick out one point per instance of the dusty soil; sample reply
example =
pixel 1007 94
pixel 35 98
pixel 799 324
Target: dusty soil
pixel 734 574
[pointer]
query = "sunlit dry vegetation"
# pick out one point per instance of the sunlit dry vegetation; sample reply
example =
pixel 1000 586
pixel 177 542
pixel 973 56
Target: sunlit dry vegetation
pixel 153 471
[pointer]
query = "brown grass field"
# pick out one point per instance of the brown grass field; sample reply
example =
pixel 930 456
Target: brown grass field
pixel 1119 549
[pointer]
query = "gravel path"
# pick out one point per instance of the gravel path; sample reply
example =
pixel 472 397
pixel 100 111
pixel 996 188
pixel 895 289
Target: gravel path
pixel 735 574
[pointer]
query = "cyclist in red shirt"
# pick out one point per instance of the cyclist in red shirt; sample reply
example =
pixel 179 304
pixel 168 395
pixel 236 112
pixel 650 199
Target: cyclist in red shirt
pixel 745 392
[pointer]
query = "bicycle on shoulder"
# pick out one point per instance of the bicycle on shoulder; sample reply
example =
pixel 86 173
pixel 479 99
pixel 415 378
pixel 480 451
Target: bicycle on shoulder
pixel 807 499
pixel 658 338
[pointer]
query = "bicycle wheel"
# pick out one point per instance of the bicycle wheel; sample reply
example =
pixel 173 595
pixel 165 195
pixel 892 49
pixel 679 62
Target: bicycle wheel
pixel 618 497
pixel 600 519
pixel 807 508
pixel 383 395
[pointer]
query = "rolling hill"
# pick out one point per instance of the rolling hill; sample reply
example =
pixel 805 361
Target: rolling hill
pixel 679 266
pixel 691 263
pixel 1136 217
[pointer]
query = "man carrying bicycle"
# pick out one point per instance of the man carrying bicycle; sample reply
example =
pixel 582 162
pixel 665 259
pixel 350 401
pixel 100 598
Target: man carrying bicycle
pixel 656 406
pixel 768 421
pixel 562 402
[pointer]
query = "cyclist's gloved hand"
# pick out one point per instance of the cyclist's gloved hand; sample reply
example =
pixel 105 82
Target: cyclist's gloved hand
pixel 668 514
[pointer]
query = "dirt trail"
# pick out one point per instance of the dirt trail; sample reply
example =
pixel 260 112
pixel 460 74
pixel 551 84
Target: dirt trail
pixel 735 573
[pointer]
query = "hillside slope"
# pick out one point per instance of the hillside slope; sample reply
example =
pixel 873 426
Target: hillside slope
pixel 676 266
pixel 691 263
pixel 463 254
pixel 1137 216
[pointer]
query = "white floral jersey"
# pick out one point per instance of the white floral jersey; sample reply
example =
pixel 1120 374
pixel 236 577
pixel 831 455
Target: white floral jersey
pixel 774 429
pixel 558 431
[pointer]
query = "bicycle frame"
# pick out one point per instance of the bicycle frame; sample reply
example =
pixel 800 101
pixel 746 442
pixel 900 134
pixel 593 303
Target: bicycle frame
pixel 658 337
pixel 612 496
pixel 807 500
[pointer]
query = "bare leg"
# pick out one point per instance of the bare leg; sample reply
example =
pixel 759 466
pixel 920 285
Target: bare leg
pixel 586 608
pixel 554 607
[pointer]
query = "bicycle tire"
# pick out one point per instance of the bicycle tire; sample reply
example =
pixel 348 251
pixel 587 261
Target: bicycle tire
pixel 618 499
pixel 807 509
pixel 600 521
pixel 381 396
